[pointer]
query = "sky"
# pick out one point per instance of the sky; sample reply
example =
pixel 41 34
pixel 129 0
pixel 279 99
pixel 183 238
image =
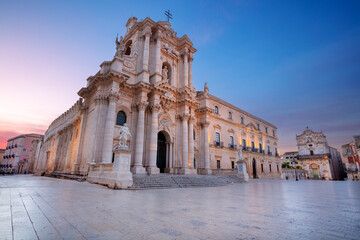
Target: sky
pixel 295 64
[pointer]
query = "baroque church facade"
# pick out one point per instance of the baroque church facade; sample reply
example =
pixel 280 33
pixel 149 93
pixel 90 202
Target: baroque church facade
pixel 148 87
pixel 320 160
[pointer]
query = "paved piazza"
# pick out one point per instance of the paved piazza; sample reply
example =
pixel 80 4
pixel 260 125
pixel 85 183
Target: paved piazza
pixel 46 208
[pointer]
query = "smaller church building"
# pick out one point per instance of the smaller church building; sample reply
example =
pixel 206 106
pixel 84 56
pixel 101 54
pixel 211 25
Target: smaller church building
pixel 320 160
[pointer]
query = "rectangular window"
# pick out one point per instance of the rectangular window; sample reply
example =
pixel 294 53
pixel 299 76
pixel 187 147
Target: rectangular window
pixel 260 147
pixel 232 164
pixel 231 141
pixel 268 149
pixel 252 146
pixel 24 149
pixel 274 133
pixel 270 167
pixel 262 168
pixel 216 110
pixel 217 138
pixel 266 129
pixel 242 120
pixel 258 126
pixel 218 164
pixel 230 115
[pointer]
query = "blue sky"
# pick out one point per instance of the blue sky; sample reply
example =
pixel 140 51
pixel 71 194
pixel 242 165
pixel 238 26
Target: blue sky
pixel 292 63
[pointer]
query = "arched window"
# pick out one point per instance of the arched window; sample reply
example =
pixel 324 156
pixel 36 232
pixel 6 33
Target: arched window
pixel 230 115
pixel 242 120
pixel 121 118
pixel 216 110
pixel 128 46
pixel 166 72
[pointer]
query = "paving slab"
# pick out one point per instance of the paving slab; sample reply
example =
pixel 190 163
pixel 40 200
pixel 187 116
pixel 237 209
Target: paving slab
pixel 48 208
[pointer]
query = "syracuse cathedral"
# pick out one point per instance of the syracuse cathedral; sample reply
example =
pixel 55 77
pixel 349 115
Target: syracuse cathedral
pixel 140 114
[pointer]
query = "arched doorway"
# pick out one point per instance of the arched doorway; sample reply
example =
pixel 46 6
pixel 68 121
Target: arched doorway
pixel 161 152
pixel 254 168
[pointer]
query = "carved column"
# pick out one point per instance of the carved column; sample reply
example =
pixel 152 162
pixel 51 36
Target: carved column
pixel 109 128
pixel 157 57
pixel 186 69
pixel 139 145
pixel 152 168
pixel 191 140
pixel 206 169
pixel 190 70
pixel 147 34
pixel 185 140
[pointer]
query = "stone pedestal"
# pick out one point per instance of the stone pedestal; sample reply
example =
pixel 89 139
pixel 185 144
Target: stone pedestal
pixel 114 175
pixel 242 173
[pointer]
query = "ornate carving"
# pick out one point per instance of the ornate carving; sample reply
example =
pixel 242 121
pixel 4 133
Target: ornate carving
pixel 142 105
pixel 165 71
pixel 170 50
pixel 147 32
pixel 120 47
pixel 184 117
pixel 192 119
pixel 164 123
pixel 129 65
pixel 205 124
pixel 113 96
pixel 169 95
pixel 155 107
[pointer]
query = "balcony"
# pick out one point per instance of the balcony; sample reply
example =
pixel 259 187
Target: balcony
pixel 218 144
pixel 232 146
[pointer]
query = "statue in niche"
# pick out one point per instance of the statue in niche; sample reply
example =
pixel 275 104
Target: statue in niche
pixel 120 47
pixel 165 72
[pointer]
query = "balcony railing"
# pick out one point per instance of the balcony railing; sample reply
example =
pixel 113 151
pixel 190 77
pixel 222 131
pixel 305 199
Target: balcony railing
pixel 232 146
pixel 218 144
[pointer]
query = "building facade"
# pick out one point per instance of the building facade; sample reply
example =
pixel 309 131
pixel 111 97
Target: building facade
pixel 291 158
pixel 17 152
pixel 351 160
pixel 2 156
pixel 174 129
pixel 319 159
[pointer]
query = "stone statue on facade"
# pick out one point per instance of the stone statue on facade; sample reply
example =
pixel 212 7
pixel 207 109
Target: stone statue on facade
pixel 165 73
pixel 206 89
pixel 120 47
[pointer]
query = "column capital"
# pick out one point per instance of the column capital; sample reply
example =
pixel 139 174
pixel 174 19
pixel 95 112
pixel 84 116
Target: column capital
pixel 100 99
pixel 192 119
pixel 155 107
pixel 147 32
pixel 184 51
pixel 141 105
pixel 205 124
pixel 158 35
pixel 191 58
pixel 113 96
pixel 184 117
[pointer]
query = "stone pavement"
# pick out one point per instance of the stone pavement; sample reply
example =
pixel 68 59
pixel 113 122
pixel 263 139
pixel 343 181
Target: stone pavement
pixel 47 208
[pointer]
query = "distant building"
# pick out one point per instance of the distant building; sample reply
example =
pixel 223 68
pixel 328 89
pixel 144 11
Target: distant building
pixel 319 159
pixel 2 155
pixel 290 157
pixel 17 152
pixel 351 160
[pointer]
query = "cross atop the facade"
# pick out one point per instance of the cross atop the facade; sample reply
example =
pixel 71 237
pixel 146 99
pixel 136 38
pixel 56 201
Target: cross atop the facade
pixel 168 15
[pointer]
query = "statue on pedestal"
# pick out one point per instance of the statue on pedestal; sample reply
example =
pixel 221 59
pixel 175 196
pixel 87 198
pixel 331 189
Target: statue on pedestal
pixel 165 73
pixel 242 173
pixel 123 137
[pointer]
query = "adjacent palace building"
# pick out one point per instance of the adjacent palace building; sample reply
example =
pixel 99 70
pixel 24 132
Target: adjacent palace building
pixel 174 129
